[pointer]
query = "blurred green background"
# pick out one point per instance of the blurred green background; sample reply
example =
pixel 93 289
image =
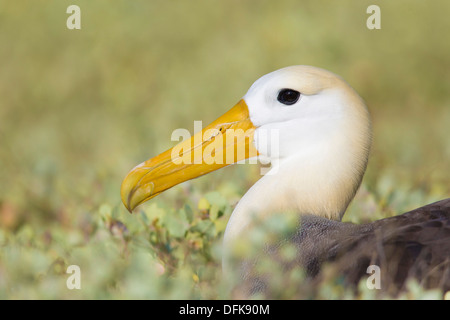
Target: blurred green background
pixel 80 108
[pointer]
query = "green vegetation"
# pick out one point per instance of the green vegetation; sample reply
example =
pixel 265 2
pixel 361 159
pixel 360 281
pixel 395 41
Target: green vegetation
pixel 80 108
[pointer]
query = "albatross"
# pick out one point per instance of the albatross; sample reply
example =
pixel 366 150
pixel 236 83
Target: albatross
pixel 315 131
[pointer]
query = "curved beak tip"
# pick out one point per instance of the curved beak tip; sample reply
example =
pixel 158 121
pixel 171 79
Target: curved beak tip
pixel 127 206
pixel 126 192
pixel 125 199
pixel 136 189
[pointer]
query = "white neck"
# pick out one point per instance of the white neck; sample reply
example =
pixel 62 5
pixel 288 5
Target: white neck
pixel 322 185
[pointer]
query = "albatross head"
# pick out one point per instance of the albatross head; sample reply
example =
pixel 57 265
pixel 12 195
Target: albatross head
pixel 308 122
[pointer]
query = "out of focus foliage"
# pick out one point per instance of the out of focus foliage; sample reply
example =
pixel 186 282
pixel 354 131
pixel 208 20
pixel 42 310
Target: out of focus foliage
pixel 79 108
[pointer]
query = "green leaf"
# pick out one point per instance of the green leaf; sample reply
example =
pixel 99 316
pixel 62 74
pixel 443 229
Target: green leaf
pixel 176 226
pixel 216 198
pixel 153 211
pixel 203 204
pixel 214 212
pixel 105 211
pixel 205 227
pixel 188 213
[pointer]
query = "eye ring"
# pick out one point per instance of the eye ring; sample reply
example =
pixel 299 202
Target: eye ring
pixel 288 96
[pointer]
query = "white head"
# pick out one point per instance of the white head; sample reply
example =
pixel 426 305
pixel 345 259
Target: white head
pixel 324 141
pixel 326 110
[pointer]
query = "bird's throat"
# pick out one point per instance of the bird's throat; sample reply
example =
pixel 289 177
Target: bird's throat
pixel 298 188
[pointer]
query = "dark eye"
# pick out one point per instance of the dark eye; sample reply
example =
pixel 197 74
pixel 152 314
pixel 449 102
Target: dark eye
pixel 288 96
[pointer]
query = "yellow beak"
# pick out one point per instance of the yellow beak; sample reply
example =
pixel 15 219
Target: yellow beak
pixel 225 141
